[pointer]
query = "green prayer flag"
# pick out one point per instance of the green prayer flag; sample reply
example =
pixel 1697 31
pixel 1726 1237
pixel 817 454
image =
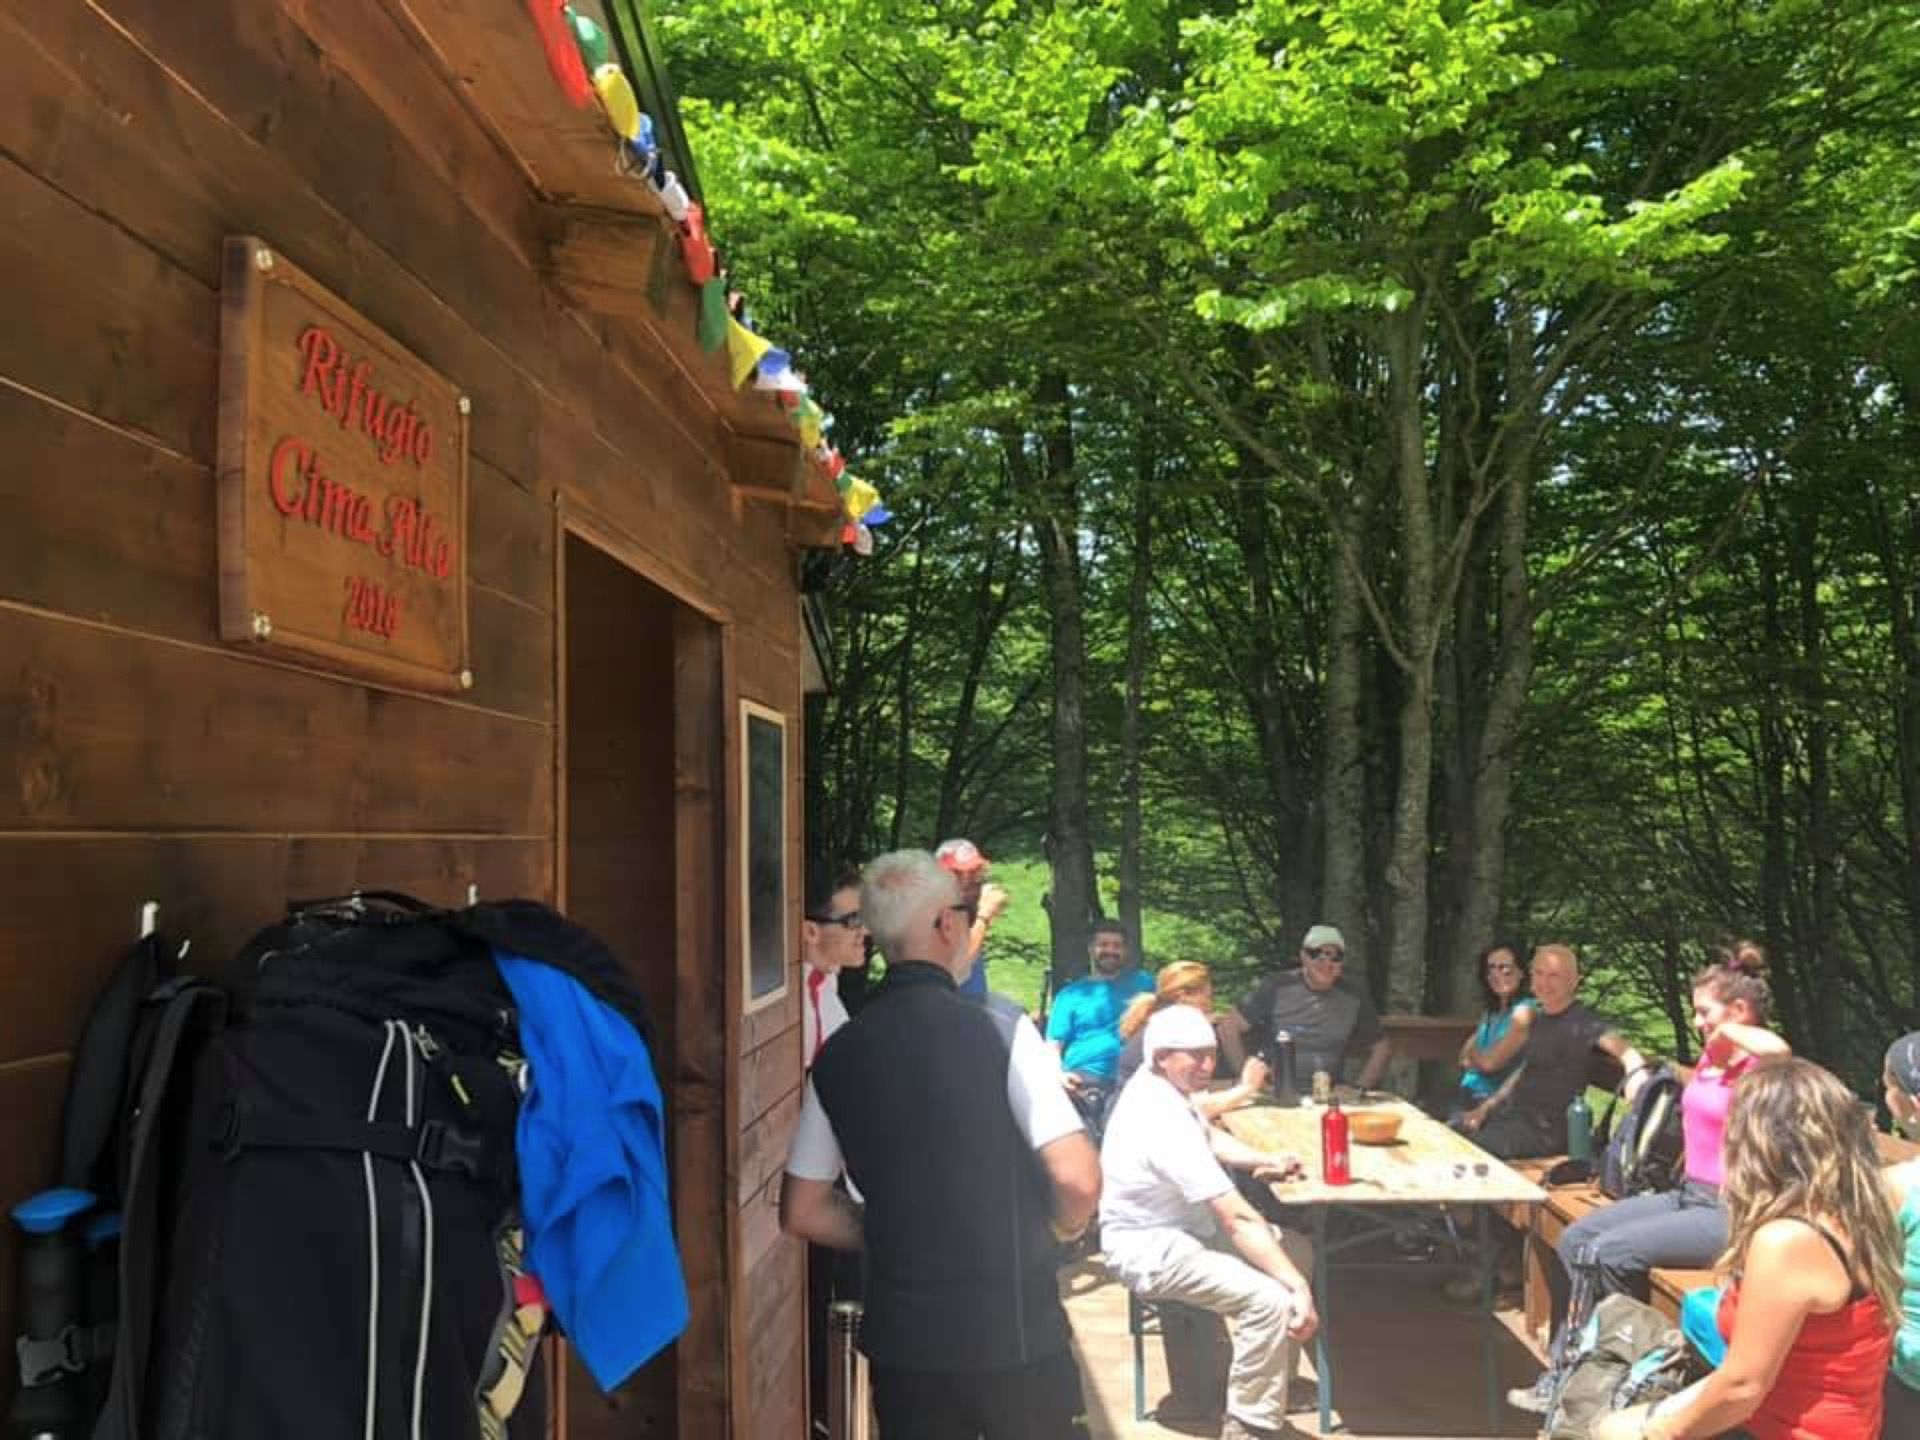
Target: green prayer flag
pixel 713 314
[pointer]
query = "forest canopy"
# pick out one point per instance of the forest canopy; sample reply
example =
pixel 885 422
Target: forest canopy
pixel 1445 467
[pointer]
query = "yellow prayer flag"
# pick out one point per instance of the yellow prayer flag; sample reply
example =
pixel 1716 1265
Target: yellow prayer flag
pixel 744 349
pixel 858 498
pixel 617 99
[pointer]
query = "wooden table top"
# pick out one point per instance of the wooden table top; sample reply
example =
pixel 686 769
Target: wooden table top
pixel 1427 1164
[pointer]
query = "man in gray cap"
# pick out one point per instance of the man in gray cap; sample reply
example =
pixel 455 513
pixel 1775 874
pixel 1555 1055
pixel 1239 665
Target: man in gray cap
pixel 1326 1016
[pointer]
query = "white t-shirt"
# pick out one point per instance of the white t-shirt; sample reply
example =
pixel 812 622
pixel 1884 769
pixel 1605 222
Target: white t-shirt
pixel 1159 1170
pixel 1039 1103
pixel 821 1011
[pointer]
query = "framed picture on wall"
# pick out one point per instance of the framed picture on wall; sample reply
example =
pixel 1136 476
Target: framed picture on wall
pixel 765 921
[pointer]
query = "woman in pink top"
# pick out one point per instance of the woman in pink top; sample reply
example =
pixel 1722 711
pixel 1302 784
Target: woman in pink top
pixel 1684 1228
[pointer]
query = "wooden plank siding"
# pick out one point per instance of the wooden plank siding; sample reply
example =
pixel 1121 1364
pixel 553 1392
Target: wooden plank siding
pixel 144 759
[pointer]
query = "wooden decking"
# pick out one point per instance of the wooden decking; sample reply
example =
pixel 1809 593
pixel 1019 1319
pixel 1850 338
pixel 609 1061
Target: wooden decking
pixel 1407 1361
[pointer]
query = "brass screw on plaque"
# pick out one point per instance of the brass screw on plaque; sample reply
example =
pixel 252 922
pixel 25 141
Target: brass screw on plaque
pixel 466 679
pixel 262 625
pixel 263 260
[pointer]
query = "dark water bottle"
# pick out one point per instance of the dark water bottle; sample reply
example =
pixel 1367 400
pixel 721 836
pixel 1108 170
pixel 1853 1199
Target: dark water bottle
pixel 1286 1088
pixel 52 1344
pixel 1580 1129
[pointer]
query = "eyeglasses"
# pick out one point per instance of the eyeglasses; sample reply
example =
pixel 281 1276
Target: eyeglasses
pixel 849 921
pixel 1329 954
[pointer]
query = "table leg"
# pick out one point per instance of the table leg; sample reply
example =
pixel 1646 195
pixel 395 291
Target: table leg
pixel 1322 1301
pixel 1488 1345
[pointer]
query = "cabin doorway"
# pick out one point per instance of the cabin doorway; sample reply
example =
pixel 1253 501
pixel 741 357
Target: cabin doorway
pixel 643 808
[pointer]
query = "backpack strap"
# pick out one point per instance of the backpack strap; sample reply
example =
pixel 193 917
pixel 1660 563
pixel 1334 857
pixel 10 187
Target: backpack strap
pixel 103 1063
pixel 433 1145
pixel 189 1009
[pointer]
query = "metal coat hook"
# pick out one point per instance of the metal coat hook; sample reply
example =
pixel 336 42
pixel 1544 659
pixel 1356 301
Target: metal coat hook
pixel 149 918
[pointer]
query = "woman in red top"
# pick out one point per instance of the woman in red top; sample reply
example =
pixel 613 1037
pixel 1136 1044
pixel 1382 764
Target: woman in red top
pixel 1814 1260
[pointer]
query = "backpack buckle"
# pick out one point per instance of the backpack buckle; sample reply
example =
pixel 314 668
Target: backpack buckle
pixel 447 1147
pixel 43 1361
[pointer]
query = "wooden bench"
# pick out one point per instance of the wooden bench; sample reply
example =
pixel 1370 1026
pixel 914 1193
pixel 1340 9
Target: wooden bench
pixel 1667 1288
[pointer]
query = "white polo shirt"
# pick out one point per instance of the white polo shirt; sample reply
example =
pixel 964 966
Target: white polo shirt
pixel 1159 1170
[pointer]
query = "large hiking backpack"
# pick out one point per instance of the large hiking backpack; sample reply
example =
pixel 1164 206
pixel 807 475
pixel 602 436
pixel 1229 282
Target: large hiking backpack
pixel 1625 1353
pixel 1645 1146
pixel 318 1181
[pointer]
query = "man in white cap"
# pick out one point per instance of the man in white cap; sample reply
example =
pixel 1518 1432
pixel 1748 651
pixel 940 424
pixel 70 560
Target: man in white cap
pixel 1325 1016
pixel 1176 1229
pixel 964 861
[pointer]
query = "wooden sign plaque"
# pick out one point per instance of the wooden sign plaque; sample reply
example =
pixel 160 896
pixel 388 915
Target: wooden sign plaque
pixel 343 484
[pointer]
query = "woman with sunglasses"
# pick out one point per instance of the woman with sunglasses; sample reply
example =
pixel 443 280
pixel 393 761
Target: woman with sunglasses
pixel 1495 1049
pixel 1813 1258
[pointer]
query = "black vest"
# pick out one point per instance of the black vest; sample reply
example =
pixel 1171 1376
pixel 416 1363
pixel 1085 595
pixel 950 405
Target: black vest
pixel 960 1252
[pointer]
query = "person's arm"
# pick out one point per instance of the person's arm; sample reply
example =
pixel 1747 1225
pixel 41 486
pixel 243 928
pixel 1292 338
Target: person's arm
pixel 1497 1056
pixel 1232 1029
pixel 1254 1076
pixel 1073 1170
pixel 1755 1040
pixel 1233 1152
pixel 1633 1064
pixel 815 1210
pixel 1254 1239
pixel 993 899
pixel 1478 1116
pixel 1376 1065
pixel 1050 1124
pixel 1060 1027
pixel 1786 1264
pixel 810 1205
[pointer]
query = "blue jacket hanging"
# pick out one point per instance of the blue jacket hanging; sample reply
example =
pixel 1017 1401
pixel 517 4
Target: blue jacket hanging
pixel 593 1174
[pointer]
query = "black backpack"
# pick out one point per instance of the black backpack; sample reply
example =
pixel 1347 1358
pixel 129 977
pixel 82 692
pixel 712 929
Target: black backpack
pixel 316 1177
pixel 1644 1149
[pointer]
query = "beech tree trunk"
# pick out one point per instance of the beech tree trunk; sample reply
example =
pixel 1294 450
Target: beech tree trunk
pixel 1139 647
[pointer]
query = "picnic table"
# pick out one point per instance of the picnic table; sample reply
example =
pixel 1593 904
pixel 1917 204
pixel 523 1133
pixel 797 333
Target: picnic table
pixel 1427 1166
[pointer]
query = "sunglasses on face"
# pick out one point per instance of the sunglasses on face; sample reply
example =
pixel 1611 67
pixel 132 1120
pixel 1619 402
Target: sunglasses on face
pixel 1329 954
pixel 849 921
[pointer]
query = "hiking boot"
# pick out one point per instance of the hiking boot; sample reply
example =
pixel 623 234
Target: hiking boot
pixel 1237 1429
pixel 1535 1399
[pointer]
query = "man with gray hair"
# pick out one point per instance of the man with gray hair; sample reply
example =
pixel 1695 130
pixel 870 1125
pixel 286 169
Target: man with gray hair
pixel 1176 1229
pixel 951 1120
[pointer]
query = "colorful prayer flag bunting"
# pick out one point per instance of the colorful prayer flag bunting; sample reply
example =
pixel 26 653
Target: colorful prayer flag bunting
pixel 589 39
pixel 858 498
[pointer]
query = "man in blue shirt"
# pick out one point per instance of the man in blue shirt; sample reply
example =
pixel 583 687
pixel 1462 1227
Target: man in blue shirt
pixel 1084 1023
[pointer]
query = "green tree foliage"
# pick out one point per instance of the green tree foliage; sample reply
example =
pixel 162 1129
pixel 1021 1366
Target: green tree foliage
pixel 1517 401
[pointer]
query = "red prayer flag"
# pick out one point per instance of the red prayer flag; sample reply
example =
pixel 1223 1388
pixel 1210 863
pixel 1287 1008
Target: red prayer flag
pixel 563 56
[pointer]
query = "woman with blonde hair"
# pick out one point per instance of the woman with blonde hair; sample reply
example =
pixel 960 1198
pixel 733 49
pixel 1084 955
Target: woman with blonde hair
pixel 1184 982
pixel 1813 1263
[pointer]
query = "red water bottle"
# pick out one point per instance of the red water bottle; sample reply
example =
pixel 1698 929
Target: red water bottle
pixel 1336 1162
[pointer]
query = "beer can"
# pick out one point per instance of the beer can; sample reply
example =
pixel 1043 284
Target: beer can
pixel 1322 1087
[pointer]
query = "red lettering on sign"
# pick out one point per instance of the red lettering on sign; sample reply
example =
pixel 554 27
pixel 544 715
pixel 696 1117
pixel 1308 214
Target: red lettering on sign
pixel 371 607
pixel 345 390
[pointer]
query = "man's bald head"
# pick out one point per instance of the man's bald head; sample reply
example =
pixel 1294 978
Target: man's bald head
pixel 1555 976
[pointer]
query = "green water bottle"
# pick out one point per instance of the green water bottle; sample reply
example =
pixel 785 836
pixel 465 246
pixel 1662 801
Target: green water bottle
pixel 1580 1130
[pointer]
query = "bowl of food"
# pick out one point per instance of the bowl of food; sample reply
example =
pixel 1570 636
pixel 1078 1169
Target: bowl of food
pixel 1373 1127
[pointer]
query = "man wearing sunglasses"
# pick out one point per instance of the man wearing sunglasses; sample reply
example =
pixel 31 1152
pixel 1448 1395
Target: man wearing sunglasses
pixel 1326 1014
pixel 833 938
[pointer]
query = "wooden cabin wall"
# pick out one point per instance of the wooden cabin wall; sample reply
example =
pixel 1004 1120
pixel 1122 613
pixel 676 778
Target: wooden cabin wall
pixel 147 760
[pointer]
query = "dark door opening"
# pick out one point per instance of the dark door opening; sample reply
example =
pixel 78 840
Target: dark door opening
pixel 624 872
